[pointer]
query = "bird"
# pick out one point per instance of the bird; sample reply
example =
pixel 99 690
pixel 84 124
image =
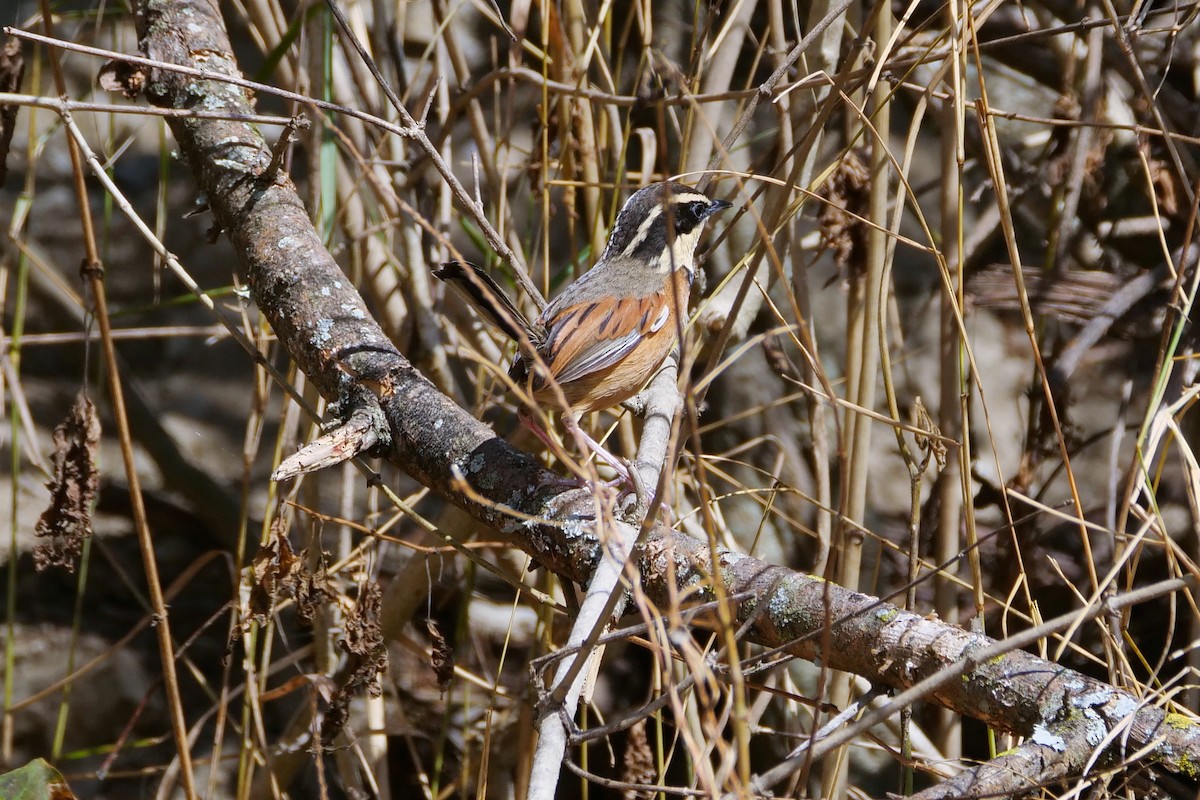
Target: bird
pixel 601 339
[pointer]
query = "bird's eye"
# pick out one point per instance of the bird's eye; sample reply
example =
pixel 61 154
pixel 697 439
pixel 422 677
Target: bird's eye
pixel 689 215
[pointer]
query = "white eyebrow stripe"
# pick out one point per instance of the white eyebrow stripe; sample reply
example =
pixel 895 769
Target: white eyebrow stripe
pixel 643 230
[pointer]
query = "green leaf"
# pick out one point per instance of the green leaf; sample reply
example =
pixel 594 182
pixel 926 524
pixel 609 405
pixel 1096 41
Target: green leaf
pixel 37 780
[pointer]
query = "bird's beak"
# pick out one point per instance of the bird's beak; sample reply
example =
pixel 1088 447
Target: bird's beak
pixel 715 206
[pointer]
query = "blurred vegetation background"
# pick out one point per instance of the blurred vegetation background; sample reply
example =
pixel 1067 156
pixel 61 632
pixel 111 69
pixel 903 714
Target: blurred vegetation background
pixel 941 348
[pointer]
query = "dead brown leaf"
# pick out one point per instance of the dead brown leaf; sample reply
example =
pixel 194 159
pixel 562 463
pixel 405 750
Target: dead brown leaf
pixel 67 521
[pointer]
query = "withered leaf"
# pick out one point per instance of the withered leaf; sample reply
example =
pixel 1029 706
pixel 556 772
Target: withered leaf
pixel 278 571
pixel 121 76
pixel 847 193
pixel 274 570
pixel 441 657
pixel 638 767
pixel 368 659
pixel 363 634
pixel 67 521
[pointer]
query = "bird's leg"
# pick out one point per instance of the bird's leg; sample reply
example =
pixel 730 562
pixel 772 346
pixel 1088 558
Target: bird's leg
pixel 530 423
pixel 586 442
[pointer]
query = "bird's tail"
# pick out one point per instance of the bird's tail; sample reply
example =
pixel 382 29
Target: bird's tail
pixel 482 292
